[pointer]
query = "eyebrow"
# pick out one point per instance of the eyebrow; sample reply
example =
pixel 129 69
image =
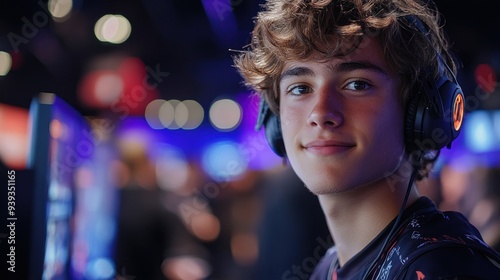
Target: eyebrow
pixel 358 65
pixel 343 67
pixel 296 71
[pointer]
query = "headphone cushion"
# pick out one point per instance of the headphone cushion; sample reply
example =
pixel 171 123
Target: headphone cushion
pixel 410 130
pixel 272 126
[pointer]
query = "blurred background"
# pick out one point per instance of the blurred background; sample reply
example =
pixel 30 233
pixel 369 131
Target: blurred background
pixel 171 133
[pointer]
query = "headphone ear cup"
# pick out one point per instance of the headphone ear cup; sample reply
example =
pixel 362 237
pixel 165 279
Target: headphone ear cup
pixel 411 122
pixel 272 127
pixel 426 129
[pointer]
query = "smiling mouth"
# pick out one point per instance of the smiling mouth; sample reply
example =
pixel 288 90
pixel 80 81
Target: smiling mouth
pixel 328 147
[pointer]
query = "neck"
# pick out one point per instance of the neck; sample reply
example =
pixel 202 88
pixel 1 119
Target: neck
pixel 356 217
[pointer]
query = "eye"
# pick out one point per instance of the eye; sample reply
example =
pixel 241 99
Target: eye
pixel 358 85
pixel 298 90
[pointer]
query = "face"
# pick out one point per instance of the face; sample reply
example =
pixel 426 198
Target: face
pixel 342 120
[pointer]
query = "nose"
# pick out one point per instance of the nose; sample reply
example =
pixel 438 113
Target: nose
pixel 327 110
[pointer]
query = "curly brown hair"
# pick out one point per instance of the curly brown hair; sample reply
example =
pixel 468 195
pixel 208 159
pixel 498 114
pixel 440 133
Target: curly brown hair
pixel 295 29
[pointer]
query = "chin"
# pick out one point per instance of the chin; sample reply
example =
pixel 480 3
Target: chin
pixel 320 191
pixel 320 188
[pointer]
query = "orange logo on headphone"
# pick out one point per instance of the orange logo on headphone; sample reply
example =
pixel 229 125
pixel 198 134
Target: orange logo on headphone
pixel 458 112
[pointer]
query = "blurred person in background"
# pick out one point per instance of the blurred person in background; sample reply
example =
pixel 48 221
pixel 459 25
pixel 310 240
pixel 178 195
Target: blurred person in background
pixel 152 242
pixel 360 96
pixel 486 213
pixel 473 189
pixel 455 181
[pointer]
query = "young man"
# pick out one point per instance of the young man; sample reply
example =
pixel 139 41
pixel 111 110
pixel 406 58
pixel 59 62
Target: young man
pixel 360 95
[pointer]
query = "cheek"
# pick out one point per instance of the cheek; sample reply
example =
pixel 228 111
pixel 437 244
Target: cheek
pixel 391 113
pixel 287 115
pixel 395 120
pixel 390 129
pixel 392 123
pixel 382 124
pixel 287 126
pixel 291 119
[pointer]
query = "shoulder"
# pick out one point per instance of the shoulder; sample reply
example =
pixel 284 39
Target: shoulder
pixel 454 262
pixel 441 245
pixel 431 226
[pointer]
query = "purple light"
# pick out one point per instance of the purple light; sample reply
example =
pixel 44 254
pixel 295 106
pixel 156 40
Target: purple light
pixel 221 17
pixel 253 144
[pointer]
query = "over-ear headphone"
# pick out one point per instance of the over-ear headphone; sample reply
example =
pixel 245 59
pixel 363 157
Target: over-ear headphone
pixel 434 113
pixel 272 127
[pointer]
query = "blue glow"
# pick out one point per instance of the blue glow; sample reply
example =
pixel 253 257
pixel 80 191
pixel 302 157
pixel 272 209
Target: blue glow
pixel 95 219
pixel 223 161
pixel 101 268
pixel 479 128
pixel 496 126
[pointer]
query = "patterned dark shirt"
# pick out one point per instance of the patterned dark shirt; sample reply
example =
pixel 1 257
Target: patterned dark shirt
pixel 429 244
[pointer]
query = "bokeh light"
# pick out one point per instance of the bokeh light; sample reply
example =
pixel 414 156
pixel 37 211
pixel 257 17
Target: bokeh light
pixel 14 136
pixel 181 114
pixel 167 114
pixel 172 168
pixel 244 248
pixel 101 268
pixel 205 226
pixel 108 87
pixel 5 63
pixel 192 112
pixel 56 129
pixel 223 161
pixel 101 88
pixel 225 114
pixel 152 114
pixel 60 9
pixel 479 138
pixel 114 29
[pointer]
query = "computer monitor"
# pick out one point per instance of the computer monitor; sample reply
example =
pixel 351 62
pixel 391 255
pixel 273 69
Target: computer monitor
pixel 73 195
pixel 57 148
